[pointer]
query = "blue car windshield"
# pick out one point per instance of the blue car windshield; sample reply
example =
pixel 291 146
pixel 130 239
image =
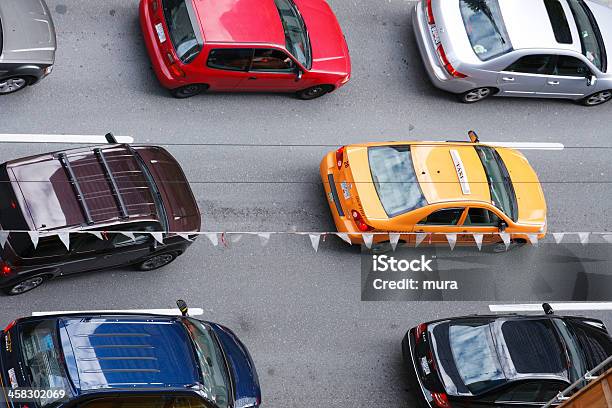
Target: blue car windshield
pixel 215 383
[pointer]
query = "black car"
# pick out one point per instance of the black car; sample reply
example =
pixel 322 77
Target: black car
pixel 501 360
pixel 124 361
pixel 108 190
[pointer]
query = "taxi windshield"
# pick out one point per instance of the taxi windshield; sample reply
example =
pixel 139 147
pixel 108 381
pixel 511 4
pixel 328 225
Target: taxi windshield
pixel 216 385
pixel 395 179
pixel 500 185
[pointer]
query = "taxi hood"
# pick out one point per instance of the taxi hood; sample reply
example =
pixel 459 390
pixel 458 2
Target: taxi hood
pixel 329 48
pixel 529 194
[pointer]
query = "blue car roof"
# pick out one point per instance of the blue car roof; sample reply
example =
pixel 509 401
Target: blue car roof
pixel 127 352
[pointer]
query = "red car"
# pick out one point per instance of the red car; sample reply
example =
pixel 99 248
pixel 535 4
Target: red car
pixel 245 45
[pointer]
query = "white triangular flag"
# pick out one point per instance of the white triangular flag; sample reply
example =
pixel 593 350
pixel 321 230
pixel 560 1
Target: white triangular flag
pixel 420 237
pixel 34 238
pixel 264 237
pixel 314 240
pixel 584 237
pixel 130 235
pixel 184 236
pixel 558 236
pixel 607 238
pixel 65 238
pixel 213 237
pixel 3 238
pixel 96 234
pixel 158 236
pixel 345 237
pixel 452 240
pixel 394 239
pixel 533 238
pixel 506 238
pixel 367 240
pixel 478 239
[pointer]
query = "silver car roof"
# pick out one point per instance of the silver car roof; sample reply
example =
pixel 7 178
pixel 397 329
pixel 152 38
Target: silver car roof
pixel 28 34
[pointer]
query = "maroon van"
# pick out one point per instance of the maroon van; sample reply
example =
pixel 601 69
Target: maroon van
pixel 103 189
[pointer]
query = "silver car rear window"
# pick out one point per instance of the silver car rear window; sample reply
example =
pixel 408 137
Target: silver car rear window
pixel 485 28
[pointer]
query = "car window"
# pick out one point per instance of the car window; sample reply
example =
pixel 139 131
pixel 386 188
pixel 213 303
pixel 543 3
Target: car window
pixel 182 29
pixel 450 216
pixel 558 19
pixel 571 66
pixel 531 392
pixel 481 217
pixel 271 60
pixel 591 39
pixel 145 402
pixel 46 247
pixel 485 28
pixel 533 64
pixel 232 59
pixel 120 240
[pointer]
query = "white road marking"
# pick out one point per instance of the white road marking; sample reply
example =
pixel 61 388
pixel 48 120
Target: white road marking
pixel 527 145
pixel 80 139
pixel 557 307
pixel 195 311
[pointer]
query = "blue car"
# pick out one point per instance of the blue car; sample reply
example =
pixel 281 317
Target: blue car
pixel 127 360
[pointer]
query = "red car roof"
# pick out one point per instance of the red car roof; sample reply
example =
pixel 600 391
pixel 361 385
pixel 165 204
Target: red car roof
pixel 250 21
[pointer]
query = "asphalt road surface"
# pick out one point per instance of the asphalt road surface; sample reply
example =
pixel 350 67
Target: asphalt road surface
pixel 314 342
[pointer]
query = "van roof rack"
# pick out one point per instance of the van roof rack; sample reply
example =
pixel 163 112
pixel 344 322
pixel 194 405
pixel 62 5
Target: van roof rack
pixel 63 159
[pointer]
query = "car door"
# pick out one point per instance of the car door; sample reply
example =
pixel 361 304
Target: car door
pixel 526 76
pixel 439 223
pixel 571 78
pixel 272 70
pixel 116 249
pixel 480 220
pixel 226 68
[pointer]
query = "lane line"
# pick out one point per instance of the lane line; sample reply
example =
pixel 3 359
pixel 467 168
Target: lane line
pixel 195 311
pixel 77 139
pixel 557 307
pixel 527 145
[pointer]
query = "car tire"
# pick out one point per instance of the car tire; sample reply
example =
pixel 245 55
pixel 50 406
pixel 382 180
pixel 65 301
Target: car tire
pixel 314 92
pixel 13 84
pixel 156 261
pixel 476 95
pixel 598 98
pixel 25 285
pixel 188 91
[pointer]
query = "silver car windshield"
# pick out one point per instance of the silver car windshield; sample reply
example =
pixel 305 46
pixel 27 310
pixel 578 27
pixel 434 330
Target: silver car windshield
pixel 590 36
pixel 485 28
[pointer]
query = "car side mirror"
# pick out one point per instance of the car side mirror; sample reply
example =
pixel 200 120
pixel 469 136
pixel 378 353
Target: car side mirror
pixel 591 80
pixel 502 226
pixel 298 74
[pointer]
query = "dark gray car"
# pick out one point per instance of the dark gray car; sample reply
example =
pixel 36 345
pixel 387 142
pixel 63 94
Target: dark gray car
pixel 27 44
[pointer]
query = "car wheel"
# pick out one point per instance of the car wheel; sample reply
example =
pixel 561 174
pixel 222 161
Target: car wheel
pixel 597 98
pixel 25 285
pixel 476 95
pixel 11 85
pixel 156 262
pixel 188 91
pixel 314 92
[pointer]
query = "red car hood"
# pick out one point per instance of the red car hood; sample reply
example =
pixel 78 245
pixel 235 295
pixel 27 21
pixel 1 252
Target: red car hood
pixel 329 49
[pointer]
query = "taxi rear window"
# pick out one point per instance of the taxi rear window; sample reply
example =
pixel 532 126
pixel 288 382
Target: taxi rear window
pixel 395 179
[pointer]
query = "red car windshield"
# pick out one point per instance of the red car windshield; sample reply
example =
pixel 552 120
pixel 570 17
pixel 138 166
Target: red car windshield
pixel 296 34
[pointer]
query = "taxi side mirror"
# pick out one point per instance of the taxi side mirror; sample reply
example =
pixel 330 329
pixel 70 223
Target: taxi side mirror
pixel 502 226
pixel 473 137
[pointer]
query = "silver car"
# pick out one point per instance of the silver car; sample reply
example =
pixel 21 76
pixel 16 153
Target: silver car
pixel 27 44
pixel 528 48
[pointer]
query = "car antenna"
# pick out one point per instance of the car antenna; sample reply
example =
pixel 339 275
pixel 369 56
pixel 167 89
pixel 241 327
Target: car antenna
pixel 110 138
pixel 548 309
pixel 182 305
pixel 473 137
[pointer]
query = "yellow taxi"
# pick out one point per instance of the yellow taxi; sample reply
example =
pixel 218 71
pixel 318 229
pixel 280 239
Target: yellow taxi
pixel 435 188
